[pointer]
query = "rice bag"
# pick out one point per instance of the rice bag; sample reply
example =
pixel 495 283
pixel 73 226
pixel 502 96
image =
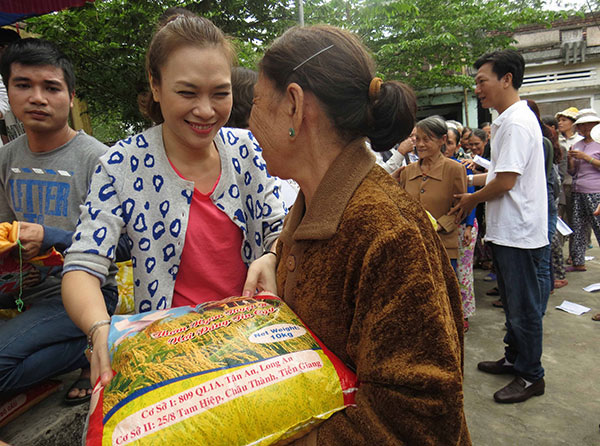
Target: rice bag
pixel 238 371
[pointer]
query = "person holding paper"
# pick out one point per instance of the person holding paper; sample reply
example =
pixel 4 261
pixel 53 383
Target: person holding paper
pixel 517 221
pixel 584 166
pixel 477 142
pixel 567 137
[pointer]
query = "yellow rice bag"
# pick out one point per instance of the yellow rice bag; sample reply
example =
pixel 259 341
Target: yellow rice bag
pixel 238 371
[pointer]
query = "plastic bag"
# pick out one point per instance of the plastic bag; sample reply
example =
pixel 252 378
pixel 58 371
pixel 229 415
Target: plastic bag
pixel 238 371
pixel 15 273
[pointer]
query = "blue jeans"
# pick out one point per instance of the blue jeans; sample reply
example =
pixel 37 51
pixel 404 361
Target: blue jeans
pixel 517 275
pixel 43 342
pixel 545 275
pixel 454 263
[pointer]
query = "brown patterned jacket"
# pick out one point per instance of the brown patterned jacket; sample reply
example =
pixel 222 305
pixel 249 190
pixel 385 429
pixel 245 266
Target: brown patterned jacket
pixel 364 269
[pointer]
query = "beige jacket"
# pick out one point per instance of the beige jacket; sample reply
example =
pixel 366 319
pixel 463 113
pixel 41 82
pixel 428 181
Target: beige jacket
pixel 436 192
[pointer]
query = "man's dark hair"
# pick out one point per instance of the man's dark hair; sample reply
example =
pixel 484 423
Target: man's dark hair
pixel 36 52
pixel 505 61
pixel 7 36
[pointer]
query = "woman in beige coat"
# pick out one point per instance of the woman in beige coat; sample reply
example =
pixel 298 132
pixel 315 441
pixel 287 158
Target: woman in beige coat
pixel 434 180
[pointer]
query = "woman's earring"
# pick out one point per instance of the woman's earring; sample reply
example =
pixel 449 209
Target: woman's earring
pixel 292 132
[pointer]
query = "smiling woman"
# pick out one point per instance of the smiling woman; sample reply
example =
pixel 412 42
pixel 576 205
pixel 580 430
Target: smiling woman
pixel 194 93
pixel 434 180
pixel 194 198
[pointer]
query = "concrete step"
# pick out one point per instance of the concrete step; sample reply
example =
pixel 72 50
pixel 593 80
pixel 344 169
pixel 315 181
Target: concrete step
pixel 49 423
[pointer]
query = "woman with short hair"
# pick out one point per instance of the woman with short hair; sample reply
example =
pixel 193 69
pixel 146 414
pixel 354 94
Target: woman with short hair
pixel 434 180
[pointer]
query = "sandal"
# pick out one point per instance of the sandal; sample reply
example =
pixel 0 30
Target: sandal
pixel 81 384
pixel 493 292
pixel 491 277
pixel 559 283
pixel 575 268
pixel 596 317
pixel 497 304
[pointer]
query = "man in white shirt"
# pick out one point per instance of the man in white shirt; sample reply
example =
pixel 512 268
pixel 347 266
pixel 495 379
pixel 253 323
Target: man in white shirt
pixel 515 192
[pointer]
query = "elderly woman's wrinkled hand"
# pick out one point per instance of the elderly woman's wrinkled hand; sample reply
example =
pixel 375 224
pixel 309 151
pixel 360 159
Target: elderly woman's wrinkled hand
pixel 309 439
pixel 261 276
pixel 469 164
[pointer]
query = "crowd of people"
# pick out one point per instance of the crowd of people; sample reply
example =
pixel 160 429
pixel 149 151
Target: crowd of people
pixel 195 202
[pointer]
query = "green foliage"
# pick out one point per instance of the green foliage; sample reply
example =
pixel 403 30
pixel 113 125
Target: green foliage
pixel 107 41
pixel 429 43
pixel 424 43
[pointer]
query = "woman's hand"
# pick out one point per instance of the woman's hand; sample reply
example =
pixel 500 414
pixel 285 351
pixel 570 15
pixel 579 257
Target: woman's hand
pixel 469 164
pixel 578 154
pixel 396 173
pixel 261 276
pixel 99 358
pixel 309 439
pixel 468 236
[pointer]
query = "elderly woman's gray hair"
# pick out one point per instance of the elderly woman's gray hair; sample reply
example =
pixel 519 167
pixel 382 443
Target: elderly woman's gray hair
pixel 433 126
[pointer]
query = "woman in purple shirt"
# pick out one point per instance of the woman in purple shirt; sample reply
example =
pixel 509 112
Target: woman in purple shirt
pixel 584 166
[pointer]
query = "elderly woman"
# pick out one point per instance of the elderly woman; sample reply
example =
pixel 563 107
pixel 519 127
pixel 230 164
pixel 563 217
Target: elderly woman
pixel 465 139
pixel 567 137
pixel 358 259
pixel 453 149
pixel 584 167
pixel 434 180
pixel 477 142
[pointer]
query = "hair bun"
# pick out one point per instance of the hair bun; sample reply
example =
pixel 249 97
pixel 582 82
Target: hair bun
pixel 392 115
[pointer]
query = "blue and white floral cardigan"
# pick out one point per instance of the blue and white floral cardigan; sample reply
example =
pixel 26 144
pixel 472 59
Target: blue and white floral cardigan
pixel 135 190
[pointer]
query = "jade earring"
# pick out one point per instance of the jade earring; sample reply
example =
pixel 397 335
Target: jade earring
pixel 292 132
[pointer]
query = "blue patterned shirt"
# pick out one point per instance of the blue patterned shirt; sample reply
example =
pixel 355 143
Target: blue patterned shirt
pixel 135 190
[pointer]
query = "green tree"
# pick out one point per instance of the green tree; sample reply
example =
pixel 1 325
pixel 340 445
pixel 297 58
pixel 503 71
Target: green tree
pixel 428 43
pixel 107 41
pixel 425 43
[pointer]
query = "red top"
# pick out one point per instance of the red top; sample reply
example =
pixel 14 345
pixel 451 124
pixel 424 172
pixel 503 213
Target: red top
pixel 211 265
